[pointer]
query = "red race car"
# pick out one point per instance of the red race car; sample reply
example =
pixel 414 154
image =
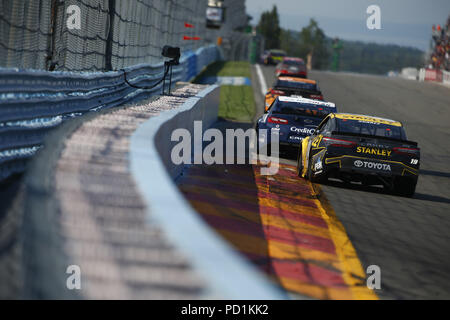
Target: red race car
pixel 293 67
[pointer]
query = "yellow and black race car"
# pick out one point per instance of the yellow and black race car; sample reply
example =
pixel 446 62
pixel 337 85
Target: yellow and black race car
pixel 273 56
pixel 362 149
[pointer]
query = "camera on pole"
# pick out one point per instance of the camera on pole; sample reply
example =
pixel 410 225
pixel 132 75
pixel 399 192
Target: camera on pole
pixel 173 53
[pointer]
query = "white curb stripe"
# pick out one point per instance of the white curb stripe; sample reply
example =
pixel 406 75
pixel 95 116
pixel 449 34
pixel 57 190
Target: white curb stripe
pixel 262 80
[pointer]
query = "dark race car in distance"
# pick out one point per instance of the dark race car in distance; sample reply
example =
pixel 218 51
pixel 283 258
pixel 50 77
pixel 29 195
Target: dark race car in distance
pixel 292 67
pixel 294 118
pixel 364 149
pixel 273 56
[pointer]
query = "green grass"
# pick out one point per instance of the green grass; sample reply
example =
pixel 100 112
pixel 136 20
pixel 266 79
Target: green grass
pixel 236 102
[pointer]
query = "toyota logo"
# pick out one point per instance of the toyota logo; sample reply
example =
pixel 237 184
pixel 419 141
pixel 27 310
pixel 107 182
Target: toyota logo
pixel 359 163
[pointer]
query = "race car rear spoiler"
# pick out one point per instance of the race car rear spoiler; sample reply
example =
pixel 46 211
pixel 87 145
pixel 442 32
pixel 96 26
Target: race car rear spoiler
pixel 412 143
pixel 308 91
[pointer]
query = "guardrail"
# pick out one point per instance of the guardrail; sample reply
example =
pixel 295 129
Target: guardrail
pixel 35 102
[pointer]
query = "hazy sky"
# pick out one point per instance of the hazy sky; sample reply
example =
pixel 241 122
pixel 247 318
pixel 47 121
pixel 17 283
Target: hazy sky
pixel 403 22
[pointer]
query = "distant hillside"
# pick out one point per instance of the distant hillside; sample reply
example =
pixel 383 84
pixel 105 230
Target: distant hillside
pixel 357 56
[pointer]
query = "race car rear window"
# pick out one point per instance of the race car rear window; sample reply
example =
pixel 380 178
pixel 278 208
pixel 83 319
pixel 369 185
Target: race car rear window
pixel 278 54
pixel 296 85
pixel 371 128
pixel 293 63
pixel 293 108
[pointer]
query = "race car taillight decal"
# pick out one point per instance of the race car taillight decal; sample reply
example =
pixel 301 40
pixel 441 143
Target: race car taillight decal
pixel 338 142
pixel 277 120
pixel 276 92
pixel 315 96
pixel 409 151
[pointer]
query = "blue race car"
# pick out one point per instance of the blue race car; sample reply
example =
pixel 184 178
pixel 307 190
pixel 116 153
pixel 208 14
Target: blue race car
pixel 293 118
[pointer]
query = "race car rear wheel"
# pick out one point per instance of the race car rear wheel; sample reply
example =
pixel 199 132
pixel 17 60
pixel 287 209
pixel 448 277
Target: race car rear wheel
pixel 299 162
pixel 309 172
pixel 405 186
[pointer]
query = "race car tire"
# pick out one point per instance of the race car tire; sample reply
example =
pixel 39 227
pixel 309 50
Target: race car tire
pixel 299 162
pixel 309 172
pixel 404 186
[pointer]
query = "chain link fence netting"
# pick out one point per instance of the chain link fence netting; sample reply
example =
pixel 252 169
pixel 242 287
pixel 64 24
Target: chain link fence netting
pixel 112 34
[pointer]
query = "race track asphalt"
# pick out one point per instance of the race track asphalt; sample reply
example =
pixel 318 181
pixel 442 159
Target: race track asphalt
pixel 408 238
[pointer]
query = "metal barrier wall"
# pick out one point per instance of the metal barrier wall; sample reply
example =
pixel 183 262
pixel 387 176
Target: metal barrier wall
pixel 34 102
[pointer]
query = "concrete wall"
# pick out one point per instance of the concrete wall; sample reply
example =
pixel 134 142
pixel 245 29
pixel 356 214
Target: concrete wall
pixel 204 107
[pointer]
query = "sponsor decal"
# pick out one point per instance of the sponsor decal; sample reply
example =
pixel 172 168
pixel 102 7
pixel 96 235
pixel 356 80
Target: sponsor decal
pixel 307 101
pixel 318 165
pixel 372 165
pixel 302 130
pixel 374 151
pixel 369 122
pixel 316 141
pixel 374 145
pixel 358 163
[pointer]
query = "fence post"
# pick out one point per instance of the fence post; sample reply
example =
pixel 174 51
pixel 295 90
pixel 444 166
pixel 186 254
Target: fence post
pixel 50 61
pixel 109 40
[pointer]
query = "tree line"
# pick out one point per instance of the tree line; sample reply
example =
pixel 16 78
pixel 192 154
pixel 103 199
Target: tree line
pixel 311 44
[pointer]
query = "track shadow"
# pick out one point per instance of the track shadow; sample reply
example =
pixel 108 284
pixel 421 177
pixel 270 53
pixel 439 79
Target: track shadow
pixel 359 187
pixel 428 197
pixel 226 197
pixel 8 191
pixel 381 190
pixel 435 173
